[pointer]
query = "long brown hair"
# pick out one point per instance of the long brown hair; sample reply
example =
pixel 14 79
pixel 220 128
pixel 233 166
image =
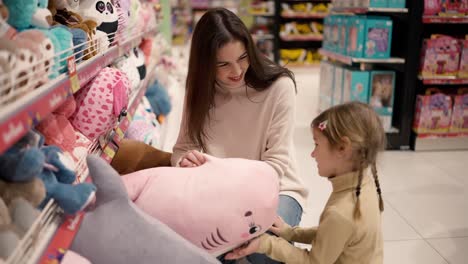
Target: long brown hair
pixel 361 124
pixel 216 28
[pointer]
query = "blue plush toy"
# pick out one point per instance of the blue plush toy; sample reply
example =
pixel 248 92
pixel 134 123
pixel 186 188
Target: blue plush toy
pixel 159 99
pixel 22 161
pixel 62 39
pixel 58 183
pixel 79 42
pixel 24 14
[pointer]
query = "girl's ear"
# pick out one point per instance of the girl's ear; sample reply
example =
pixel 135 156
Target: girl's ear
pixel 345 148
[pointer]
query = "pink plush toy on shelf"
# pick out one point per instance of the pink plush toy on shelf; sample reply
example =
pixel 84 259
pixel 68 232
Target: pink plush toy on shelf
pixel 216 206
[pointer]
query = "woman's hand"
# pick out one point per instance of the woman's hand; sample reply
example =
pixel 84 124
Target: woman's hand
pixel 244 250
pixel 192 158
pixel 278 226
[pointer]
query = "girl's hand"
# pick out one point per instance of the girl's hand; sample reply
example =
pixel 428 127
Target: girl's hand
pixel 278 226
pixel 247 249
pixel 192 158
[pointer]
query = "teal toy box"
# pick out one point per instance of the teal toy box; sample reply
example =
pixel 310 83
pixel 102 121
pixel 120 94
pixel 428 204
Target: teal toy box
pixel 356 36
pixel 343 37
pixel 327 74
pixel 373 3
pixel 338 86
pixel 356 85
pixel 378 38
pixel 396 3
pixel 382 90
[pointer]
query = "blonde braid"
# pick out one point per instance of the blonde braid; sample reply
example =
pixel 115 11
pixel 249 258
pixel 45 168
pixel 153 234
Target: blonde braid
pixel 357 210
pixel 377 185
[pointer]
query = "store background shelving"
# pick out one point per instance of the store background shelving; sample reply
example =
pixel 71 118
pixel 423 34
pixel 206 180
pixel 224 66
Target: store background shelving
pixel 402 61
pixel 426 26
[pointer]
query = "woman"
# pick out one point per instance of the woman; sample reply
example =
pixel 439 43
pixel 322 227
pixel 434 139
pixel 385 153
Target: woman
pixel 239 104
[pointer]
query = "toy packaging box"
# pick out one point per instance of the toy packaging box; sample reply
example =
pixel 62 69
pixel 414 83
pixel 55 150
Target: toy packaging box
pixel 459 122
pixel 327 72
pixel 463 67
pixel 343 37
pixel 338 86
pixel 378 38
pixel 433 113
pixel 356 85
pixel 382 90
pixel 396 3
pixel 373 3
pixel 440 56
pixel 356 35
pixel 334 33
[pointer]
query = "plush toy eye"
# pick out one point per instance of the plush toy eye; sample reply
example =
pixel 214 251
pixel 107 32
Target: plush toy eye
pixel 22 57
pixel 48 46
pixel 31 59
pixel 110 8
pixel 100 6
pixel 253 230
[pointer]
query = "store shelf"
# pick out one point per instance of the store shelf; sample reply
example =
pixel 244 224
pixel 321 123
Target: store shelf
pixel 304 15
pixel 432 142
pixel 441 80
pixel 26 112
pixel 351 60
pixel 363 10
pixel 302 38
pixel 263 36
pixel 445 19
pixel 261 14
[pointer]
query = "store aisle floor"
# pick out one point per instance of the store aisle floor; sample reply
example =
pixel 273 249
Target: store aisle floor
pixel 425 193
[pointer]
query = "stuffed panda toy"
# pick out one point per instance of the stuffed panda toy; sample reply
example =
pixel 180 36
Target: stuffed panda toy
pixel 104 13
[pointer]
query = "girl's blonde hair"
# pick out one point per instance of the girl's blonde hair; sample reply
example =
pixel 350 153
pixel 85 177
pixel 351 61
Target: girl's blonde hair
pixel 361 124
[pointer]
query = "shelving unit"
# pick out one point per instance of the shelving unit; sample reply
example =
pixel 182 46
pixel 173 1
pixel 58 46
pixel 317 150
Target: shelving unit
pixel 426 26
pixel 362 61
pixel 402 61
pixel 446 80
pixel 52 232
pixel 17 118
pixel 309 43
pixel 365 10
pixel 445 20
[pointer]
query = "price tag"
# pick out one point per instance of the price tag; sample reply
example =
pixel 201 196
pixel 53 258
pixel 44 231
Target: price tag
pixel 74 82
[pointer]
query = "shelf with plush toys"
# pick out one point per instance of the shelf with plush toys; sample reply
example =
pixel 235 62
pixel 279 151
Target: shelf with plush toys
pixel 55 68
pixel 70 86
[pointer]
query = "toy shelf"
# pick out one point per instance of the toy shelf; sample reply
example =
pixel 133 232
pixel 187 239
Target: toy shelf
pixel 351 60
pixel 445 19
pixel 304 15
pixel 302 38
pixel 26 112
pixel 363 10
pixel 52 230
pixel 425 142
pixel 443 80
pixel 261 14
pixel 262 36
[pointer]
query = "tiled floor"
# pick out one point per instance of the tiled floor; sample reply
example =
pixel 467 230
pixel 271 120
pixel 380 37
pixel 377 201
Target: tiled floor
pixel 425 193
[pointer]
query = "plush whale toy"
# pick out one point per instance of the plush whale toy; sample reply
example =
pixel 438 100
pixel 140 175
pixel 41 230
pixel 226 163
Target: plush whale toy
pixel 216 206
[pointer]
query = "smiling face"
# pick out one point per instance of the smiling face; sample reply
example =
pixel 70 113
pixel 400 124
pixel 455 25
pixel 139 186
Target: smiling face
pixel 232 62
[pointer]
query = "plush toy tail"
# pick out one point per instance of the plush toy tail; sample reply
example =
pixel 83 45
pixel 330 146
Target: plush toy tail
pixel 108 182
pixel 135 183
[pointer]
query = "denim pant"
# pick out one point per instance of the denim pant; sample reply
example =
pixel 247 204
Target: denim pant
pixel 291 212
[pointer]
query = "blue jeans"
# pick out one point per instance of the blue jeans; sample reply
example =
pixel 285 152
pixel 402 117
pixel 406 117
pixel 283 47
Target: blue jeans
pixel 291 212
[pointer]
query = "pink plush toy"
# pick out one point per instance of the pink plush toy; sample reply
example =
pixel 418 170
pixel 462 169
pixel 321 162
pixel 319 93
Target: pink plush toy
pixel 56 128
pixel 216 206
pixel 101 102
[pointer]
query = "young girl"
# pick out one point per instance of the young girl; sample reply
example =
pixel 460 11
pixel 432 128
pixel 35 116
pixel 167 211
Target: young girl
pixel 239 104
pixel 347 139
